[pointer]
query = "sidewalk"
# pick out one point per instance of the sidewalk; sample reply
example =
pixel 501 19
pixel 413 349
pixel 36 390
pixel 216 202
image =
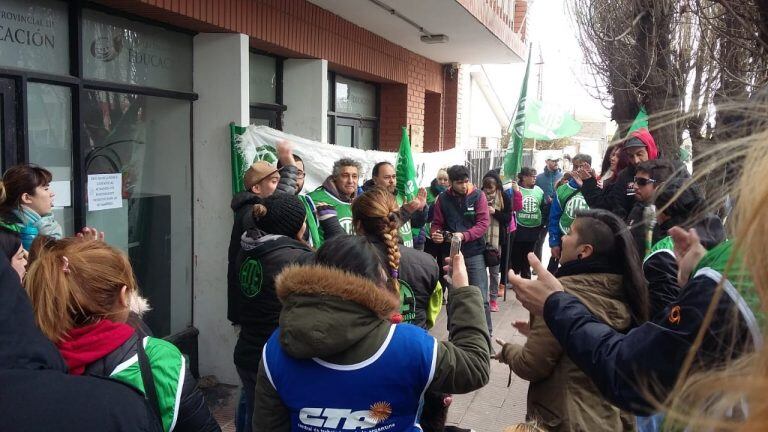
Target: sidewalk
pixel 489 409
pixel 495 406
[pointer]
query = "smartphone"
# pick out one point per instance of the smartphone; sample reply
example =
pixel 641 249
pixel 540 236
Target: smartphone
pixel 455 246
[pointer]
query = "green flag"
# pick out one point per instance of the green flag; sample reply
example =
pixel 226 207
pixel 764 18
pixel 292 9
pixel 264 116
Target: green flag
pixel 548 122
pixel 242 161
pixel 407 186
pixel 641 121
pixel 513 159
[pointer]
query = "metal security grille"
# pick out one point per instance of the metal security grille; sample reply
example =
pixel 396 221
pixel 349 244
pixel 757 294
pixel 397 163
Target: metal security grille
pixel 480 161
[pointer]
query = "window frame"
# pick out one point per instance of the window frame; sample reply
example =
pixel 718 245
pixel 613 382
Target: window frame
pixel 357 121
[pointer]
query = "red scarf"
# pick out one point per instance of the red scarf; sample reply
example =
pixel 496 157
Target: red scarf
pixel 84 345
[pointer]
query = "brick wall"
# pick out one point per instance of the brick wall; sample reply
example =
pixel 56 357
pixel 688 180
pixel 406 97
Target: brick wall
pixel 298 28
pixel 521 9
pixel 451 115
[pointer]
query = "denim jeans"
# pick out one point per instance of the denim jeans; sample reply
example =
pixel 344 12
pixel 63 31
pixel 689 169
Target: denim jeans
pixel 478 276
pixel 244 414
pixel 493 282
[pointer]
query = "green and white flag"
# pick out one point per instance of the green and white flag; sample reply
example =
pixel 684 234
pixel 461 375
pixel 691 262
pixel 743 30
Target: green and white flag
pixel 407 183
pixel 513 159
pixel 548 122
pixel 641 121
pixel 243 156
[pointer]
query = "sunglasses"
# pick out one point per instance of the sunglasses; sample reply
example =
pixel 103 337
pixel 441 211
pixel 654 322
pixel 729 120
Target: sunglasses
pixel 642 181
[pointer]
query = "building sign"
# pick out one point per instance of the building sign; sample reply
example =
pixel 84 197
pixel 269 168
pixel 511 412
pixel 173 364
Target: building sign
pixel 33 35
pixel 355 97
pixel 124 51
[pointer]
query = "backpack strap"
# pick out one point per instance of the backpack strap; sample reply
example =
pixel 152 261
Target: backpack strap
pixel 150 392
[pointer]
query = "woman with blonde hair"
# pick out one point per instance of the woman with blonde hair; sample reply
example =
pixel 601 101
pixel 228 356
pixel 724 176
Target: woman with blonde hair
pixel 81 292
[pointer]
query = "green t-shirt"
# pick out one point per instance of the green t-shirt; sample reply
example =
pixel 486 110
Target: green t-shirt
pixel 574 204
pixel 343 210
pixel 405 230
pixel 530 216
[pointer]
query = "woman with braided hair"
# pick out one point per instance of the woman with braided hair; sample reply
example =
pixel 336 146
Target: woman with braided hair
pixel 413 274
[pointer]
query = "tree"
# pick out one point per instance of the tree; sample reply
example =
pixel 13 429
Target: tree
pixel 686 61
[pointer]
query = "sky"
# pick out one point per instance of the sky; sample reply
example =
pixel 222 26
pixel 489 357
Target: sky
pixel 563 73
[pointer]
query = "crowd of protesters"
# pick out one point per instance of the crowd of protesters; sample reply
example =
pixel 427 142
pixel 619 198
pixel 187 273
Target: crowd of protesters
pixel 334 291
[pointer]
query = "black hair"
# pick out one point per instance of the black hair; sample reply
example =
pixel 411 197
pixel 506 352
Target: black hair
pixel 355 255
pixel 582 157
pixel 607 159
pixel 660 170
pixel 296 158
pixel 493 175
pixel 10 242
pixel 525 171
pixel 377 167
pixel 611 240
pixel 458 173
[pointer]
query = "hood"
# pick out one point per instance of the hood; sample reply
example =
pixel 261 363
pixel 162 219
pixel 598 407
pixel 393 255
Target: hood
pixel 326 310
pixel 435 188
pixel 244 198
pixel 22 344
pixel 494 175
pixel 262 243
pixel 330 187
pixel 647 139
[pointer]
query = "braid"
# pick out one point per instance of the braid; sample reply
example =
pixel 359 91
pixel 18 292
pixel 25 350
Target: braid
pixel 391 235
pixel 376 211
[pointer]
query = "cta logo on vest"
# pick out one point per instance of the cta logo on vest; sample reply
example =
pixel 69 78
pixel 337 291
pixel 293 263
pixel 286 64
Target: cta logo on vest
pixel 319 419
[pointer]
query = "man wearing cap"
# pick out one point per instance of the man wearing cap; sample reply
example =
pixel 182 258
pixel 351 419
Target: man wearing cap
pixel 620 199
pixel 261 180
pixel 547 181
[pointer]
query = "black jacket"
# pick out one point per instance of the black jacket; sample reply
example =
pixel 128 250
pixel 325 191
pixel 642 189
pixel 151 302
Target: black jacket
pixel 647 359
pixel 242 205
pixel 614 199
pixel 267 255
pixel 193 414
pixel 419 277
pixel 37 394
pixel 660 268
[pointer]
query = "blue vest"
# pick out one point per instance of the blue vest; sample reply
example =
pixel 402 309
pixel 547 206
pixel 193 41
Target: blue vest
pixel 459 216
pixel 383 393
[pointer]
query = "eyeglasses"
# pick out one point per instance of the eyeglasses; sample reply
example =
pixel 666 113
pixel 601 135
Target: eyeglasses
pixel 642 181
pixel 301 174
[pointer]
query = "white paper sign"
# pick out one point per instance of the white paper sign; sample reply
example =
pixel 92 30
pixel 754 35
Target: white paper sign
pixel 105 191
pixel 63 193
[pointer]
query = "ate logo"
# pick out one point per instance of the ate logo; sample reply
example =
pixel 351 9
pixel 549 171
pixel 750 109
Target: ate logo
pixel 407 302
pixel 575 204
pixel 529 205
pixel 251 277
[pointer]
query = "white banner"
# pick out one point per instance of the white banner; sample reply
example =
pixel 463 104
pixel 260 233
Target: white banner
pixel 319 158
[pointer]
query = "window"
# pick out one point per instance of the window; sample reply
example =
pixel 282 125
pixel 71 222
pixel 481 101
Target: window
pixel 34 35
pixel 146 140
pixel 352 112
pixel 265 90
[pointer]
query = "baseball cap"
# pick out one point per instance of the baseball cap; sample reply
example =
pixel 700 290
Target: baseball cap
pixel 257 172
pixel 634 142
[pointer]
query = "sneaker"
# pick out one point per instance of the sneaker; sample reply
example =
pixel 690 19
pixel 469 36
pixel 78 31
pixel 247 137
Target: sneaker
pixel 457 429
pixel 494 306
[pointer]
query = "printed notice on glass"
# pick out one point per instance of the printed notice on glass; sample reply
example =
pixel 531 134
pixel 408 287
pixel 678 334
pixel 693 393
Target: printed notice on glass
pixel 105 191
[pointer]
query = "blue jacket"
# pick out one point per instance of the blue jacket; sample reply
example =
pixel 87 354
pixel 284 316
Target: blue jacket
pixel 547 181
pixel 646 361
pixel 553 225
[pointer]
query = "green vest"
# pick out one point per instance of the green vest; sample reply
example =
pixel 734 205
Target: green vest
pixel 574 204
pixel 405 230
pixel 738 285
pixel 168 369
pixel 313 225
pixel 530 215
pixel 343 210
pixel 665 245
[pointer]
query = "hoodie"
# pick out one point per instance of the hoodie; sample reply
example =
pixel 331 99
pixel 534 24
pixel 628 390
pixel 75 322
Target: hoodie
pixel 35 390
pixel 342 318
pixel 620 198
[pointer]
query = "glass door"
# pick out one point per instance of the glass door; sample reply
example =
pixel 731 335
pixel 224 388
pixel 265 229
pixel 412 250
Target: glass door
pixel 9 137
